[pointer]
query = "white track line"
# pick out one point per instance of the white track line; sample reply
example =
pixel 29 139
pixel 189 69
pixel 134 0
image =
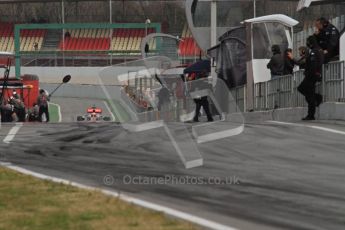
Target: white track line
pixel 59 111
pixel 111 113
pixel 310 126
pixel 118 115
pixel 12 133
pixel 145 204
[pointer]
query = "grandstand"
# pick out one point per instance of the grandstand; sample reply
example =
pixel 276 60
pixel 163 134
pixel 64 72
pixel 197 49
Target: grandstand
pixel 188 47
pixel 46 47
pixel 86 39
pixel 129 40
pixel 31 40
pixel 118 42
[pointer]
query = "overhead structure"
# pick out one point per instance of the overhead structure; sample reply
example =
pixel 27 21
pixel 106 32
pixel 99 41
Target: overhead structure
pixel 209 19
pixel 307 3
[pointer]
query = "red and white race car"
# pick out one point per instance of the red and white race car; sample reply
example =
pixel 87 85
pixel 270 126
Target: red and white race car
pixel 94 114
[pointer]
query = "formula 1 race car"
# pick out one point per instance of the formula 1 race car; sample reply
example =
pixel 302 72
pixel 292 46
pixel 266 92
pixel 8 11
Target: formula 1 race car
pixel 94 114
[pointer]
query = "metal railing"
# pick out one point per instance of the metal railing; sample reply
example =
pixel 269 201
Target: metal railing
pixel 282 92
pixel 333 82
pixel 239 97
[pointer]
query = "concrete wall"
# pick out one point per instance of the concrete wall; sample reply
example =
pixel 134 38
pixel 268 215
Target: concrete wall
pixel 80 75
pixel 83 91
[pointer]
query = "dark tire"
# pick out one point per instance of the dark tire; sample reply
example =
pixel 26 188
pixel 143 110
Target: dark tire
pixel 80 118
pixel 106 119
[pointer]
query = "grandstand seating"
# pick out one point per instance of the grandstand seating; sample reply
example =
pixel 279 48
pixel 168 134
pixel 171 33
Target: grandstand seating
pixel 130 39
pixel 86 39
pixel 120 40
pixel 188 47
pixel 28 38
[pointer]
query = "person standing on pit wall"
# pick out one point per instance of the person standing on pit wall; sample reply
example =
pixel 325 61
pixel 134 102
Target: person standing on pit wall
pixel 313 68
pixel 202 101
pixel 276 64
pixel 42 102
pixel 328 38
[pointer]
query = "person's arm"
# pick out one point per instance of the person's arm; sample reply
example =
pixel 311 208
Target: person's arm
pixel 289 63
pixel 301 62
pixel 269 65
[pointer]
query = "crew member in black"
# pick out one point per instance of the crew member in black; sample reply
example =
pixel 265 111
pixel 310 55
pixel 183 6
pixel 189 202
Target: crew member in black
pixel 312 74
pixel 202 101
pixel 328 38
pixel 42 102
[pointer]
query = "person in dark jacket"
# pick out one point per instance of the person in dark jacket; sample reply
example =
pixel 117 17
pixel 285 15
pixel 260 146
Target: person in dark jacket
pixel 42 102
pixel 289 62
pixel 202 101
pixel 313 68
pixel 6 111
pixel 276 64
pixel 328 38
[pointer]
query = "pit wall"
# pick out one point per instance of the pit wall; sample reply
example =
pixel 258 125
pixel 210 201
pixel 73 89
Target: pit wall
pixel 80 75
pixel 84 84
pixel 83 91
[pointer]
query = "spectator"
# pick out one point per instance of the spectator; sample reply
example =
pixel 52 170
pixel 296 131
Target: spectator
pixel 328 38
pixel 35 46
pixel 276 64
pixel 67 35
pixel 303 52
pixel 289 62
pixel 312 74
pixel 42 102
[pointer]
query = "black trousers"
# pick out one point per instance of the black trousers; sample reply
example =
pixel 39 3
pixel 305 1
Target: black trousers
pixel 43 109
pixel 202 102
pixel 307 89
pixel 6 115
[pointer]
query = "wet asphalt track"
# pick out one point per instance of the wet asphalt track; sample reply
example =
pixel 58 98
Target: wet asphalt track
pixel 289 177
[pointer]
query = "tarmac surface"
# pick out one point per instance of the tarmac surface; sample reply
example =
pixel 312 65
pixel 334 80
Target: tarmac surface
pixel 77 107
pixel 272 176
